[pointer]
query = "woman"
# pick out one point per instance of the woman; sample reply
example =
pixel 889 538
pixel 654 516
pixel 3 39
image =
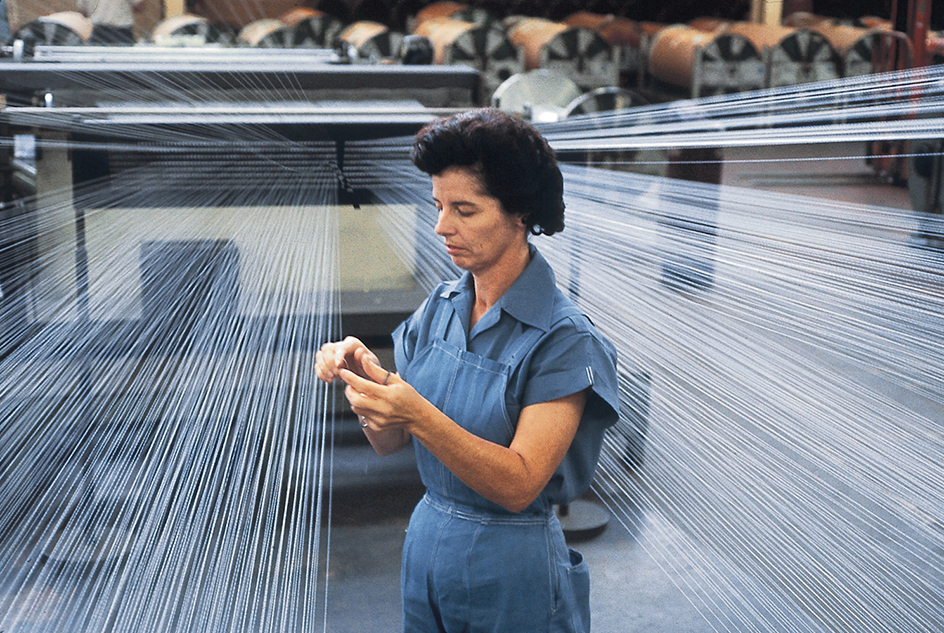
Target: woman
pixel 504 385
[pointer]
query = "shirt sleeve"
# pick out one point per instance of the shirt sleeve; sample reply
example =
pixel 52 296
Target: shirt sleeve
pixel 574 359
pixel 570 360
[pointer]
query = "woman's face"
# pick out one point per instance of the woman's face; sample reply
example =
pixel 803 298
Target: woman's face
pixel 478 234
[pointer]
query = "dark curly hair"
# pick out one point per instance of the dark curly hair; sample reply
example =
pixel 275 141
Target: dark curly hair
pixel 513 161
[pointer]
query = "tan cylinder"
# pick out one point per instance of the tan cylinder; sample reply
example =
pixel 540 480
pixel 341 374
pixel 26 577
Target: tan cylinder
pixel 842 37
pixel 72 20
pixel 172 25
pixel 443 32
pixel 359 33
pixel 299 15
pixel 649 29
pixel 709 25
pixel 761 35
pixel 615 30
pixel 672 54
pixel 804 20
pixel 438 10
pixel 873 22
pixel 588 20
pixel 253 33
pixel 531 35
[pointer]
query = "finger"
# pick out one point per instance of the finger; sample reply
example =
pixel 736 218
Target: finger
pixel 376 373
pixel 357 383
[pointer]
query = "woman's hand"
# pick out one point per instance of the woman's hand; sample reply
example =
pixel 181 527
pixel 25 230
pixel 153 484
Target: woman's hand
pixel 349 354
pixel 381 398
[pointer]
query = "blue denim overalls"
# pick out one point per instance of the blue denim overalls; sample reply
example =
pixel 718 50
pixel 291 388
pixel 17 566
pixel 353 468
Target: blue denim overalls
pixel 470 565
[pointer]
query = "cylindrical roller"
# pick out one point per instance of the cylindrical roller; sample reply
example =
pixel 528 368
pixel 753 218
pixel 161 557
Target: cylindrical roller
pixel 709 25
pixel 483 47
pixel 706 62
pixel 436 11
pixel 728 63
pixel 269 33
pixel 855 46
pixel 312 28
pixel 651 29
pixel 623 34
pixel 476 15
pixel 67 28
pixel 193 26
pixel 794 56
pixel 672 54
pixel 540 95
pixel 804 20
pixel 371 41
pixel 578 53
pixel 875 22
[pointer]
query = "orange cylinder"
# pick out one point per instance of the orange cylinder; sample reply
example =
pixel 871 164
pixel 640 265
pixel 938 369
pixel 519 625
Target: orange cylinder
pixel 531 35
pixel 709 24
pixel 442 32
pixel 72 20
pixel 761 35
pixel 842 37
pixel 437 10
pixel 672 54
pixel 615 30
pixel 254 32
pixel 359 33
pixel 171 25
pixel 804 20
pixel 299 15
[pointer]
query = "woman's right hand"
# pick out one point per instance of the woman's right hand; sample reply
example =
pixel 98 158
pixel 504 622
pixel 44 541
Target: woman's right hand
pixel 349 354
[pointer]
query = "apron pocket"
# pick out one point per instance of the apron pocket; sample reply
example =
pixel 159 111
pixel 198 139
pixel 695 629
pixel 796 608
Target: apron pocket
pixel 573 606
pixel 579 576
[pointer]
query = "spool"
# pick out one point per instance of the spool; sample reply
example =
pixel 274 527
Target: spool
pixel 437 11
pixel 268 33
pixel 371 41
pixel 193 28
pixel 622 34
pixel 478 16
pixel 66 28
pixel 709 25
pixel 483 47
pixel 539 95
pixel 875 22
pixel 705 62
pixel 578 53
pixel 806 20
pixel 794 56
pixel 312 28
pixel 855 46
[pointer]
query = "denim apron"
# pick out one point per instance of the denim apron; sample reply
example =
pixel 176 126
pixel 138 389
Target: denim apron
pixel 470 565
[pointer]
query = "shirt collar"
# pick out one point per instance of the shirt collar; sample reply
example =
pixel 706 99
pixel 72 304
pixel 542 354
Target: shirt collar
pixel 529 300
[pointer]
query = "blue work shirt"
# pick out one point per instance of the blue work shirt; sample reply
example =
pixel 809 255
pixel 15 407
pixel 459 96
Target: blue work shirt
pixel 569 356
